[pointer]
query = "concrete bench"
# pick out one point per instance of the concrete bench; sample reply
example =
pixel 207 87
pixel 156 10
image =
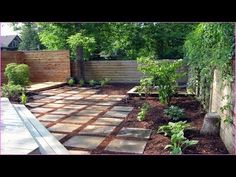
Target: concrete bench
pixel 47 143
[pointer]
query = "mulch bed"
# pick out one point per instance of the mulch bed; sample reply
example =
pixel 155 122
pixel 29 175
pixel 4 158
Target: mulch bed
pixel 156 118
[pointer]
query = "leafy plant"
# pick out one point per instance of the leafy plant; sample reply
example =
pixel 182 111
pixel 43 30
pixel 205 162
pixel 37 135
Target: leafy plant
pixel 179 143
pixel 17 74
pixel 173 128
pixel 146 85
pixel 92 83
pixel 71 82
pixel 24 98
pixel 174 112
pixel 12 91
pixel 143 112
pixel 163 74
pixel 105 81
pixel 81 82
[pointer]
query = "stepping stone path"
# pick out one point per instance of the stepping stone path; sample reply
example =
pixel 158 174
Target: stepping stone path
pixel 89 119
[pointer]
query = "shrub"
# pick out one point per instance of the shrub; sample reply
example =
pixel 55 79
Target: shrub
pixel 173 128
pixel 92 83
pixel 17 74
pixel 24 98
pixel 179 143
pixel 143 112
pixel 174 112
pixel 145 86
pixel 12 91
pixel 105 81
pixel 81 82
pixel 163 74
pixel 71 82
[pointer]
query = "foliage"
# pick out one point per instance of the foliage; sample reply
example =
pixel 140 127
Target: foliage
pixel 179 143
pixel 120 40
pixel 146 85
pixel 88 44
pixel 210 46
pixel 174 112
pixel 24 98
pixel 227 109
pixel 163 74
pixel 29 36
pixel 173 128
pixel 12 91
pixel 81 82
pixel 143 112
pixel 92 83
pixel 105 81
pixel 17 74
pixel 71 82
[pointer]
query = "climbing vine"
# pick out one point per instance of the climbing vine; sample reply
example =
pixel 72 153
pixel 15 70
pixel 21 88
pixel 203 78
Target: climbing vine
pixel 210 46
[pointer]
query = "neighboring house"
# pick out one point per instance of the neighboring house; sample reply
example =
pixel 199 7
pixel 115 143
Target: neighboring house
pixel 10 42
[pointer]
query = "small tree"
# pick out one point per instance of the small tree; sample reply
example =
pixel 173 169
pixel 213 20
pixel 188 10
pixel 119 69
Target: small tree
pixel 164 75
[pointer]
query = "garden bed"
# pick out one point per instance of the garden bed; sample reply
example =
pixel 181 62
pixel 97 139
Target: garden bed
pixel 133 92
pixel 156 118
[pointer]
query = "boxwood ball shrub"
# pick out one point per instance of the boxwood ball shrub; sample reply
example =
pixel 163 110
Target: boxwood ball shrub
pixel 17 74
pixel 12 92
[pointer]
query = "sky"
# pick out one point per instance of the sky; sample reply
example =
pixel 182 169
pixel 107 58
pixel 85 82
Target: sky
pixel 6 29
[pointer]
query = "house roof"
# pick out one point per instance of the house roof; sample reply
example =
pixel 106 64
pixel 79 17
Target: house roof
pixel 6 40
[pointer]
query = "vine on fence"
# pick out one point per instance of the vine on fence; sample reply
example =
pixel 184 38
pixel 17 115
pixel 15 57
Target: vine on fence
pixel 210 46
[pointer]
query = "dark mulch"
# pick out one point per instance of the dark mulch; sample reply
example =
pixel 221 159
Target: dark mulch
pixel 155 118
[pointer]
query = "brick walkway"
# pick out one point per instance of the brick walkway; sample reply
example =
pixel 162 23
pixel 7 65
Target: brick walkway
pixel 87 122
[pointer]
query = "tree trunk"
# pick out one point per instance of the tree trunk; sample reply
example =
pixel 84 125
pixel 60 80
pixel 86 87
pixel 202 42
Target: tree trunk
pixel 81 61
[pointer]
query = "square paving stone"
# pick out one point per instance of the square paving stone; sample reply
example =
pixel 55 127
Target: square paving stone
pixel 33 105
pixel 59 136
pixel 40 110
pixel 119 114
pixel 53 105
pixel 122 108
pixel 44 100
pixel 134 132
pixel 64 101
pixel 60 127
pixel 45 123
pixel 73 98
pixel 117 96
pixel 76 152
pixel 83 102
pixel 55 97
pixel 64 94
pixel 108 121
pixel 72 92
pixel 36 97
pixel 64 111
pixel 112 99
pixel 78 119
pixel 88 112
pixel 127 146
pixel 48 93
pixel 51 117
pixel 75 106
pixel 98 108
pixel 87 142
pixel 97 130
pixel 106 103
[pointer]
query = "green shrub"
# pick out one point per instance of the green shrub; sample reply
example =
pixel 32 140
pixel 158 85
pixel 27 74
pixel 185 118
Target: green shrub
pixel 24 98
pixel 12 91
pixel 174 112
pixel 143 112
pixel 145 86
pixel 173 128
pixel 17 74
pixel 105 81
pixel 71 82
pixel 163 74
pixel 81 82
pixel 92 83
pixel 179 143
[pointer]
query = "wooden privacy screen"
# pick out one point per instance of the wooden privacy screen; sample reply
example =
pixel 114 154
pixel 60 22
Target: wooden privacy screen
pixel 44 66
